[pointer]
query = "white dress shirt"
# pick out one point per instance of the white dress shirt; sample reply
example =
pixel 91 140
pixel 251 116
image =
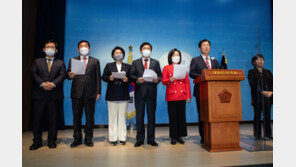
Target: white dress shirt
pixel 52 58
pixel 209 60
pixel 118 67
pixel 81 58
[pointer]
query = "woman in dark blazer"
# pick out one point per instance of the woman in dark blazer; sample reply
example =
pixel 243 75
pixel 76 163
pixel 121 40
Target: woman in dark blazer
pixel 177 93
pixel 117 96
pixel 261 82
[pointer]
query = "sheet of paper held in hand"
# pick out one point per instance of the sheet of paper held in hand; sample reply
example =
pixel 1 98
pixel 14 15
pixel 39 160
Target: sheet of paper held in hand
pixel 149 75
pixel 77 67
pixel 119 75
pixel 180 71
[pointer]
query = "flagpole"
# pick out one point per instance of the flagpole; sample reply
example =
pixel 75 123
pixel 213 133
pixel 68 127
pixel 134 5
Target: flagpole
pixel 131 125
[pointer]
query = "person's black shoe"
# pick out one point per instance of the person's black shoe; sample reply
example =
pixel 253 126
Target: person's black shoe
pixel 138 143
pixel 180 140
pixel 122 142
pixel 152 143
pixel 35 145
pixel 258 138
pixel 88 142
pixel 173 141
pixel 113 143
pixel 270 137
pixel 202 141
pixel 52 144
pixel 76 143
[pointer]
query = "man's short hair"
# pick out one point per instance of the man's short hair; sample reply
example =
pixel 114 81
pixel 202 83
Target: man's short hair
pixel 83 41
pixel 202 41
pixel 145 43
pixel 51 41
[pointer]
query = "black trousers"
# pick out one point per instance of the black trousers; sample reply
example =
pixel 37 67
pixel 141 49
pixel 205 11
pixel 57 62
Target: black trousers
pixel 44 109
pixel 200 123
pixel 140 113
pixel 88 104
pixel 177 117
pixel 266 121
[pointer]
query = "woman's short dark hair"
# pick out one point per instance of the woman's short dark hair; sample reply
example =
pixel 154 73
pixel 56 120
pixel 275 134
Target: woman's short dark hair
pixel 51 41
pixel 145 43
pixel 120 48
pixel 171 53
pixel 83 41
pixel 202 41
pixel 256 57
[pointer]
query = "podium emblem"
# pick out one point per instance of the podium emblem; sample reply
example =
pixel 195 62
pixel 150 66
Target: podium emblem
pixel 225 96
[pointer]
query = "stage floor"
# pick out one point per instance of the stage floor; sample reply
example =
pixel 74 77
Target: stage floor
pixel 105 155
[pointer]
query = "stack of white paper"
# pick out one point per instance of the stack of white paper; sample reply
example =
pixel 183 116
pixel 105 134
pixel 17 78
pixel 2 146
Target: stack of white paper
pixel 77 67
pixel 119 75
pixel 149 75
pixel 180 71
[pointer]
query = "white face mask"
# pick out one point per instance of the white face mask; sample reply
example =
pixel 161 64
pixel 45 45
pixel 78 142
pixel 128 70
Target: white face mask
pixel 50 52
pixel 146 53
pixel 176 59
pixel 84 51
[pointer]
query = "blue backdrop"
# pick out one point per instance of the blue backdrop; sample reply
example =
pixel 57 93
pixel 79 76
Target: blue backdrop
pixel 167 24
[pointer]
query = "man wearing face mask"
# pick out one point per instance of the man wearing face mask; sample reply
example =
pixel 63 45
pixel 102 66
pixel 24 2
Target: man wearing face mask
pixel 196 66
pixel 48 75
pixel 145 94
pixel 86 89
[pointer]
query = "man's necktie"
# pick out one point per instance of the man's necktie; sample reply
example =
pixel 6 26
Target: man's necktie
pixel 208 64
pixel 146 63
pixel 84 59
pixel 49 64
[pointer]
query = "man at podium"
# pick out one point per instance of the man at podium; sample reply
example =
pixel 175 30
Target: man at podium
pixel 204 61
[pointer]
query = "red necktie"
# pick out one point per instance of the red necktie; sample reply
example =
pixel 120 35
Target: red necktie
pixel 85 61
pixel 207 61
pixel 146 63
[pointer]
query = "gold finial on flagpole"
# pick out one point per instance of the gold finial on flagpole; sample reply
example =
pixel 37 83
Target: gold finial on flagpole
pixel 130 54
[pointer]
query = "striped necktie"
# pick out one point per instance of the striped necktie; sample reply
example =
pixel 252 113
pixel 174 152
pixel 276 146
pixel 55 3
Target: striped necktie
pixel 208 64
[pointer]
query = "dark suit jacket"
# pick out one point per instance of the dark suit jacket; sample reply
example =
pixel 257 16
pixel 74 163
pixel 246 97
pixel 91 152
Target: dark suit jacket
pixel 117 90
pixel 196 66
pixel 146 89
pixel 39 73
pixel 88 84
pixel 254 81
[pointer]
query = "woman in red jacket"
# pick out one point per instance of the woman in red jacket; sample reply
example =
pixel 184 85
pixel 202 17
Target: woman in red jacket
pixel 177 93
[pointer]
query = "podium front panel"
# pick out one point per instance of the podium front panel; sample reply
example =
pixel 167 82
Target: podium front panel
pixel 220 101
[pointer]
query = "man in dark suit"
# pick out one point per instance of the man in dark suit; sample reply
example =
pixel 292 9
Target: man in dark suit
pixel 145 93
pixel 48 75
pixel 196 66
pixel 86 89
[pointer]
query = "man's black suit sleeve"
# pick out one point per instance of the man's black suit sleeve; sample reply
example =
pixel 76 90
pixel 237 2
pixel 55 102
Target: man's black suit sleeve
pixel 133 72
pixel 98 77
pixel 69 70
pixel 217 64
pixel 193 69
pixel 60 79
pixel 158 72
pixel 34 74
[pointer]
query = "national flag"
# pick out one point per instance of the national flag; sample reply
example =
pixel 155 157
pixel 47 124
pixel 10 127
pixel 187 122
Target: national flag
pixel 223 61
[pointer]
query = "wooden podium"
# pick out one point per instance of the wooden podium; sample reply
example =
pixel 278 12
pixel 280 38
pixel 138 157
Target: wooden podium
pixel 221 109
